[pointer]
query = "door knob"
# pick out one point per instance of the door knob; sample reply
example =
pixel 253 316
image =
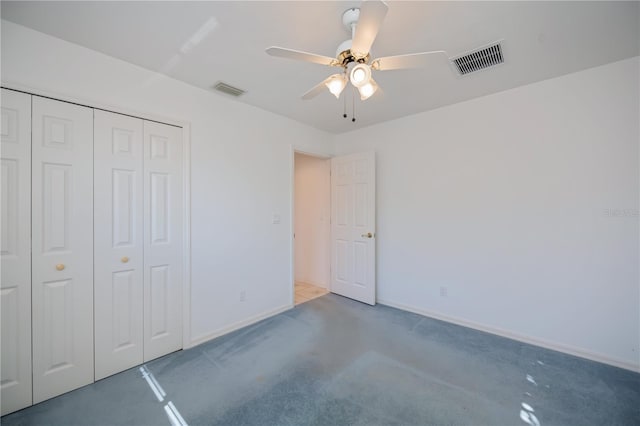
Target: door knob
pixel 125 259
pixel 59 267
pixel 367 235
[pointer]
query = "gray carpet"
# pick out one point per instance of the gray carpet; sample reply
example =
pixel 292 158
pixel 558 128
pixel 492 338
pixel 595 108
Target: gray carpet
pixel 333 361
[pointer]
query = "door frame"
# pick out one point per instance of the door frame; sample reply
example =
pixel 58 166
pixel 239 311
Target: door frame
pixel 186 176
pixel 292 199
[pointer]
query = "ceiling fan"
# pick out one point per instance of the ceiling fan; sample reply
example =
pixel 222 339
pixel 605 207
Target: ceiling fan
pixel 353 55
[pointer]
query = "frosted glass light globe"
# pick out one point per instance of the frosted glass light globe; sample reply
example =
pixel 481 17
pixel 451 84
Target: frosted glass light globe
pixel 360 75
pixel 336 84
pixel 367 90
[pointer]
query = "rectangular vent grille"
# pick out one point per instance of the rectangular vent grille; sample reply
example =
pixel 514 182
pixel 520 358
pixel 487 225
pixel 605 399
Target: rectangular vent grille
pixel 479 59
pixel 229 90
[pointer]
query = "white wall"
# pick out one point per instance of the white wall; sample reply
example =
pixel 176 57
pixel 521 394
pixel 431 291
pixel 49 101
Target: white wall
pixel 240 171
pixel 523 204
pixel 510 202
pixel 311 219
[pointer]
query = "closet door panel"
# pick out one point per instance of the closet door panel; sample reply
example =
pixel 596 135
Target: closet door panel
pixel 162 239
pixel 119 259
pixel 62 241
pixel 15 286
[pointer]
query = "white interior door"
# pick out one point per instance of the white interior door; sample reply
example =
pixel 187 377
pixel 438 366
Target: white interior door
pixel 62 244
pixel 15 288
pixel 162 239
pixel 118 222
pixel 353 220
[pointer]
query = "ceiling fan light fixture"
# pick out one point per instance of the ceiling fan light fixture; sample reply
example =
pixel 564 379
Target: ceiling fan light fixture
pixel 336 84
pixel 367 90
pixel 360 75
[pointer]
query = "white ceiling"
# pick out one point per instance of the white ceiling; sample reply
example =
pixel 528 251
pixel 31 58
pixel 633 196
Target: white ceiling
pixel 205 42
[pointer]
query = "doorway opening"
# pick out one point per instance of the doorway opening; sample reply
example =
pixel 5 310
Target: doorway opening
pixel 311 226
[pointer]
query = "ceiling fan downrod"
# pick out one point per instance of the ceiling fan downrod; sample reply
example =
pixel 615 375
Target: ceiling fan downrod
pixel 344 54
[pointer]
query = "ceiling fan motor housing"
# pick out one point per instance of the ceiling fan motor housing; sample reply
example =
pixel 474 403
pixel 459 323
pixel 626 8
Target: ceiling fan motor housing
pixel 345 57
pixel 345 46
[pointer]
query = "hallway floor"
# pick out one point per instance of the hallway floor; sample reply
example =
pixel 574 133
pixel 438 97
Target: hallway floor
pixel 305 292
pixel 334 361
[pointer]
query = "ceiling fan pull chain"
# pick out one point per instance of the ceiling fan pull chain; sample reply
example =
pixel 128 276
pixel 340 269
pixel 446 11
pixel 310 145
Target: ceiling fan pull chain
pixel 344 111
pixel 353 105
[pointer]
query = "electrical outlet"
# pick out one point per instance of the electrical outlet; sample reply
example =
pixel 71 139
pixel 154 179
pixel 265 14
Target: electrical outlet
pixel 243 296
pixel 443 291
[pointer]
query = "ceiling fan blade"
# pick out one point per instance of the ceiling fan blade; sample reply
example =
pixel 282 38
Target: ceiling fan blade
pixel 372 13
pixel 412 60
pixel 298 55
pixel 317 89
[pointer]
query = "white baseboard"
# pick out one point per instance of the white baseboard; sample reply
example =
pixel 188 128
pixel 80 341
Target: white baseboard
pixel 237 325
pixel 593 356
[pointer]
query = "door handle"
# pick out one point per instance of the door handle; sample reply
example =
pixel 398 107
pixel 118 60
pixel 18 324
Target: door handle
pixel 125 259
pixel 60 267
pixel 367 235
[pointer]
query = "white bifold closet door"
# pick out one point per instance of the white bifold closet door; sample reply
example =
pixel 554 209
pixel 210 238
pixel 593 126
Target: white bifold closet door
pixel 138 241
pixel 62 247
pixel 119 261
pixel 15 291
pixel 162 239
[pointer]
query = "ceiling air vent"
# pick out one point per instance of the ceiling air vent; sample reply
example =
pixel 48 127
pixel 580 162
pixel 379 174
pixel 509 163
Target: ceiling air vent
pixel 229 90
pixel 479 59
